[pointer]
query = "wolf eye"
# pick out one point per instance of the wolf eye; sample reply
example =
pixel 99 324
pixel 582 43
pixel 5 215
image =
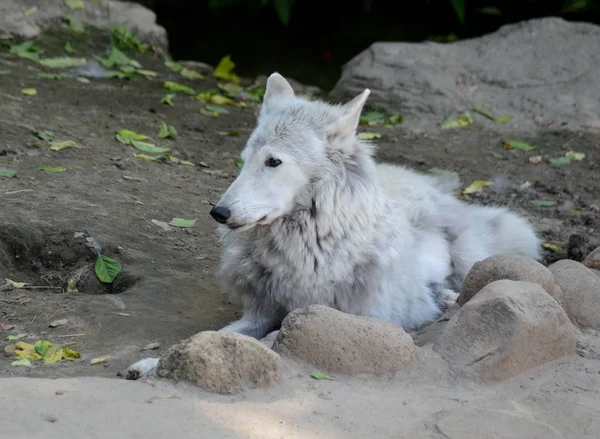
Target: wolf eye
pixel 273 162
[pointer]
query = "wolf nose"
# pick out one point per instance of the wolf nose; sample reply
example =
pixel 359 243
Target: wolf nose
pixel 220 214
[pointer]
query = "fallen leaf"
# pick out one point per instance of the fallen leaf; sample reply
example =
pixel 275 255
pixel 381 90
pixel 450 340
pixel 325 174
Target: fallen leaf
pixel 178 88
pixel 230 88
pixel 535 159
pixel 54 355
pixel 477 186
pixel 26 50
pixel 216 109
pixel 4 72
pixel 224 70
pixel 59 146
pixel 15 337
pixel 163 225
pixel 62 62
pixel 148 147
pixel 552 247
pixel 52 169
pixel 23 362
pixel 239 162
pixel 520 146
pixel 321 376
pixel 147 157
pixel 395 119
pixel 438 171
pixel 82 80
pixel 26 351
pixel 71 288
pixel 76 25
pixel 228 133
pixel 371 117
pixel 46 136
pixel 575 156
pixel 74 4
pixel 526 185
pixel 175 65
pixel 543 203
pixel 167 131
pixel 68 48
pixel 117 58
pixel 150 347
pixel 31 10
pixel 29 91
pixel 54 75
pixel 181 222
pixel 576 212
pixel 42 346
pixel 504 119
pixel 178 161
pixel 14 284
pixel 131 135
pixel 106 268
pixel 560 160
pixel 68 354
pixel 484 113
pixel 465 120
pixel 369 135
pixel 7 173
pixel 191 74
pixel 147 73
pixel 220 100
pixel 57 323
pixel 167 100
pixel 100 360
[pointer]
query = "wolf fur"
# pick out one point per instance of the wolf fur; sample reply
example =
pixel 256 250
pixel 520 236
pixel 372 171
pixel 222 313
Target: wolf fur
pixel 327 225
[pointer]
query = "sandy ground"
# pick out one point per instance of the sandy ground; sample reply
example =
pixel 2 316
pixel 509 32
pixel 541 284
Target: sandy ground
pixel 167 290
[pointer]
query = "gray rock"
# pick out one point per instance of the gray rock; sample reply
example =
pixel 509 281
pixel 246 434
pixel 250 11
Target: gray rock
pixel 101 15
pixel 338 342
pixel 511 267
pixel 593 259
pixel 221 362
pixel 541 71
pixel 578 292
pixel 506 329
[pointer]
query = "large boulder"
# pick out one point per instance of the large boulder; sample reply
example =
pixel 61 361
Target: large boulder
pixel 593 259
pixel 338 342
pixel 221 362
pixel 500 72
pixel 506 329
pixel 578 291
pixel 17 18
pixel 511 267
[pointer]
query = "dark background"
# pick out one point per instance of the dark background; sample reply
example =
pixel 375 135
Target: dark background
pixel 320 36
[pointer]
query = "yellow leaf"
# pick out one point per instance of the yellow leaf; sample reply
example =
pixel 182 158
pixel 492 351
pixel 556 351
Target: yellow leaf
pixel 476 186
pixel 29 91
pixel 68 354
pixel 15 284
pixel 224 70
pixel 54 355
pixel 147 157
pixel 26 351
pixel 99 360
pixel 59 146
pixel 209 113
pixel 220 100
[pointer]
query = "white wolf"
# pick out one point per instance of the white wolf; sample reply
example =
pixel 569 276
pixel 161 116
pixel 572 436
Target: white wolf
pixel 312 219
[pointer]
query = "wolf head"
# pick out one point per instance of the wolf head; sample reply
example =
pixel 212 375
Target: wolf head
pixel 292 146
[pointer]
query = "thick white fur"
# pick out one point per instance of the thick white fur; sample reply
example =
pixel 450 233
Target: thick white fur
pixel 329 226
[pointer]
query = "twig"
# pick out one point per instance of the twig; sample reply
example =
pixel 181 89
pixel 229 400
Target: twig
pixel 40 287
pixel 18 192
pixel 70 335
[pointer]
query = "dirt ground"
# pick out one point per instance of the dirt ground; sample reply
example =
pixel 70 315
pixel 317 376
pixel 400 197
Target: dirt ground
pixel 167 290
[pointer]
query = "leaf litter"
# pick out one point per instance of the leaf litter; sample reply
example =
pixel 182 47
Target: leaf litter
pixel 49 353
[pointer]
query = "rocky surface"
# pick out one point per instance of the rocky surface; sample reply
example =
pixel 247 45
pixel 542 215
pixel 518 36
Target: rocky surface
pixel 221 362
pixel 501 72
pixel 593 259
pixel 578 291
pixel 29 18
pixel 511 267
pixel 506 329
pixel 343 343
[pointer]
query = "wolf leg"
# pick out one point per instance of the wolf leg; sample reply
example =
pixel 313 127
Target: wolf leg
pixel 253 325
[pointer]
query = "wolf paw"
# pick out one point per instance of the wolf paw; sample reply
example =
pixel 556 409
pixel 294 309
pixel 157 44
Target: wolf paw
pixel 448 297
pixel 142 368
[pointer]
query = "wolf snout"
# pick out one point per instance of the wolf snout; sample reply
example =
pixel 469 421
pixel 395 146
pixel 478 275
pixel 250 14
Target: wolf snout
pixel 220 214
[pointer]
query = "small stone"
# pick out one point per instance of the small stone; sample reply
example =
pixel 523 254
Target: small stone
pixel 512 267
pixel 578 292
pixel 593 259
pixel 57 323
pixel 163 225
pixel 221 362
pixel 506 329
pixel 338 342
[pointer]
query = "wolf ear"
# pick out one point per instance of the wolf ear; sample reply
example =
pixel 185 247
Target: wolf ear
pixel 277 87
pixel 345 127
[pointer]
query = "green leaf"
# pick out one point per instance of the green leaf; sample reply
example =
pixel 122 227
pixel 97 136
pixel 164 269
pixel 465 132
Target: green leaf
pixel 42 346
pixel 543 203
pixel 76 25
pixel 191 74
pixel 148 147
pixel 167 131
pixel 26 50
pixel 131 135
pixel 504 119
pixel 106 269
pixel 464 120
pixel 178 88
pixel 167 100
pixel 147 157
pixel 68 48
pixel 62 62
pixel 68 354
pixel 4 72
pixel 46 136
pixel 15 337
pixel 176 66
pixel 147 73
pixel 54 75
pixel 54 355
pixel 178 161
pixel 182 222
pixel 476 186
pixel 228 133
pixel 575 156
pixel 560 160
pixel 216 109
pixel 239 162
pixel 552 247
pixel 459 9
pixel 438 171
pixel 370 117
pixel 230 88
pixel 520 146
pixel 368 135
pixel 59 146
pixel 150 347
pixel 395 119
pixel 321 376
pixel 118 74
pixel 224 70
pixel 74 4
pixel 23 362
pixel 484 113
pixel 51 169
pixel 284 10
pixel 7 173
